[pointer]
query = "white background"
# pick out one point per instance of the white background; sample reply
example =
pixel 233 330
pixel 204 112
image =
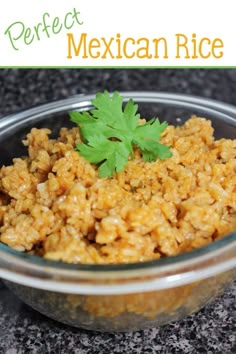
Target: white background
pixel 149 18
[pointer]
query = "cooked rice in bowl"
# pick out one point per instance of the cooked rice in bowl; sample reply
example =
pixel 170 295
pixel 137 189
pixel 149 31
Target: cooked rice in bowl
pixel 53 204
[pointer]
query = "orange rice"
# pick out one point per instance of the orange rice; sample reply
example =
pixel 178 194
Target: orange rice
pixel 53 203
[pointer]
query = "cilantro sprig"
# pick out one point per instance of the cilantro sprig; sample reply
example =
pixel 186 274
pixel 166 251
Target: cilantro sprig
pixel 110 132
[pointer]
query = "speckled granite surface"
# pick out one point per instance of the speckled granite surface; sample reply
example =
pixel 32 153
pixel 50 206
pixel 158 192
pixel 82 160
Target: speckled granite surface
pixel 22 330
pixel 211 331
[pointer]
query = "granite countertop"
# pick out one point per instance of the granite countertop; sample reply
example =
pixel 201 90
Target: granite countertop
pixel 22 330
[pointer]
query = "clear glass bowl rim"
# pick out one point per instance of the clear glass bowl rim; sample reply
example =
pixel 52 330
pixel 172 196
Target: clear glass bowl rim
pixel 102 279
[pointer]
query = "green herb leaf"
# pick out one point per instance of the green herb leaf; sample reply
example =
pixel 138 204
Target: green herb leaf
pixel 109 134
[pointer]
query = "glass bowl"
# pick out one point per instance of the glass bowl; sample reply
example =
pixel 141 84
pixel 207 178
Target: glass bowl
pixel 128 296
